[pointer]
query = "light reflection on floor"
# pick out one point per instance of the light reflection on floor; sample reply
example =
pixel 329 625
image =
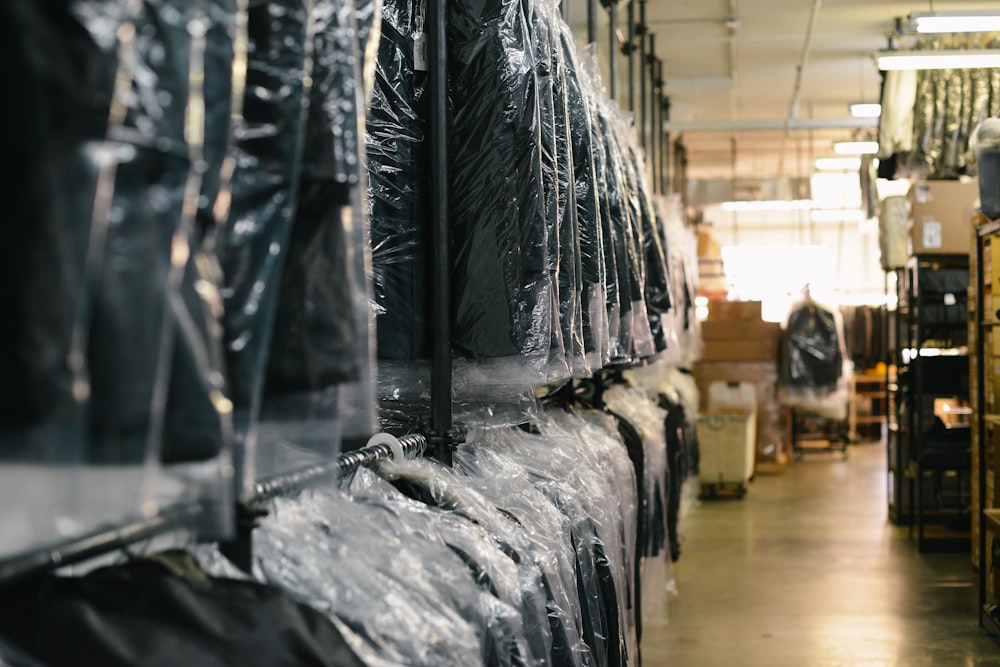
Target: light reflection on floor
pixel 807 572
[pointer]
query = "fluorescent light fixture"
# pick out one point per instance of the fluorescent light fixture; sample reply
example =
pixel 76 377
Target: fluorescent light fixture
pixel 855 147
pixel 866 110
pixel 768 205
pixel 913 60
pixel 956 21
pixel 838 163
pixel 837 215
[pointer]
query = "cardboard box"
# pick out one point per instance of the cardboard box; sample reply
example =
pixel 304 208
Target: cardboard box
pixel 740 349
pixel 734 310
pixel 721 329
pixel 940 216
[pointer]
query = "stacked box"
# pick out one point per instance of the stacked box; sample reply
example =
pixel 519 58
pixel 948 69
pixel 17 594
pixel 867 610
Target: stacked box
pixel 735 331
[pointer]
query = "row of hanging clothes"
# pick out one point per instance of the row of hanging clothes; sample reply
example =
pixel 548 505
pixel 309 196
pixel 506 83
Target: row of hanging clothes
pixel 187 253
pixel 190 246
pixel 929 116
pixel 547 545
pixel 562 260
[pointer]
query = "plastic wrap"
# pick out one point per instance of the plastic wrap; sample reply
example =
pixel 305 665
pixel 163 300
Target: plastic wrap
pixel 407 598
pixel 502 478
pixel 615 346
pixel 656 287
pixel 681 247
pixel 596 533
pixel 498 550
pixel 893 232
pixel 812 359
pixel 269 153
pixel 501 265
pixel 553 187
pixel 140 94
pixel 647 419
pixel 398 187
pixel 587 194
pixel 570 282
pixel 595 439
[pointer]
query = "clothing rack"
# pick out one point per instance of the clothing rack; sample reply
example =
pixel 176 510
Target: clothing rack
pixel 342 468
pixel 102 541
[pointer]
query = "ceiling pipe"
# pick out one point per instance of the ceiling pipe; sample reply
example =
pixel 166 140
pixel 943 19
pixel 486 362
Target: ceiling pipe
pixel 771 124
pixel 793 106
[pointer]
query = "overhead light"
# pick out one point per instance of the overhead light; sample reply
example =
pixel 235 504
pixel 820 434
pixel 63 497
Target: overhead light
pixel 855 147
pixel 913 60
pixel 837 215
pixel 956 21
pixel 768 205
pixel 866 110
pixel 838 163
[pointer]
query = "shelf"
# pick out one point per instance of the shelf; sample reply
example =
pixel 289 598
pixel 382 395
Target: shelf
pixel 987 622
pixel 992 517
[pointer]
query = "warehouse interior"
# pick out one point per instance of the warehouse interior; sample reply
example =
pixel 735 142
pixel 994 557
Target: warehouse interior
pixel 517 333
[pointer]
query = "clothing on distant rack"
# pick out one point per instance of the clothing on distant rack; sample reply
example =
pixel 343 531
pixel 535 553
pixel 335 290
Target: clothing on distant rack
pixel 812 359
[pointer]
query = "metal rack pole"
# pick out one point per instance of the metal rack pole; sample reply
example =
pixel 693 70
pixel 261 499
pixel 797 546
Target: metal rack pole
pixel 613 51
pixel 665 187
pixel 239 550
pixel 591 21
pixel 99 542
pixel 437 77
pixel 630 51
pixel 640 30
pixel 653 106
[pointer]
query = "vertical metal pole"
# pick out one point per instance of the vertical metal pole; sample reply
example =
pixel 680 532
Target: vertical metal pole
pixel 667 187
pixel 437 79
pixel 660 153
pixel 630 49
pixel 591 21
pixel 641 30
pixel 613 50
pixel 654 94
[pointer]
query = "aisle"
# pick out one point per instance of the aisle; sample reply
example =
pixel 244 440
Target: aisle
pixel 807 572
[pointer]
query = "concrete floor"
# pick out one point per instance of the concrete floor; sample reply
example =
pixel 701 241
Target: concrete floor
pixel 807 572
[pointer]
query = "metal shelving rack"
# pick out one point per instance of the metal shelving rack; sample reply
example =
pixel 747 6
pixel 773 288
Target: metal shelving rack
pixel 928 350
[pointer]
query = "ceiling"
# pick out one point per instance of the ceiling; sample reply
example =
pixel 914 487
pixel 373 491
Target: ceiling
pixel 735 63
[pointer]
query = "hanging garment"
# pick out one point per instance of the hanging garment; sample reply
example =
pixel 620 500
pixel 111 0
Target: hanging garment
pixel 167 611
pixel 154 318
pixel 254 247
pixel 811 360
pixel 496 550
pixel 674 426
pixel 596 537
pixel 503 481
pixel 314 344
pixel 406 596
pixel 588 209
pixel 502 266
pixel 398 187
pixel 52 71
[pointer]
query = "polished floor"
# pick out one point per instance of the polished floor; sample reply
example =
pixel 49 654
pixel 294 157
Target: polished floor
pixel 807 572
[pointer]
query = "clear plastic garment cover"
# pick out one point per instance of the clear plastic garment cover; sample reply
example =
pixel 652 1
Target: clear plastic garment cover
pixel 115 334
pixel 633 405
